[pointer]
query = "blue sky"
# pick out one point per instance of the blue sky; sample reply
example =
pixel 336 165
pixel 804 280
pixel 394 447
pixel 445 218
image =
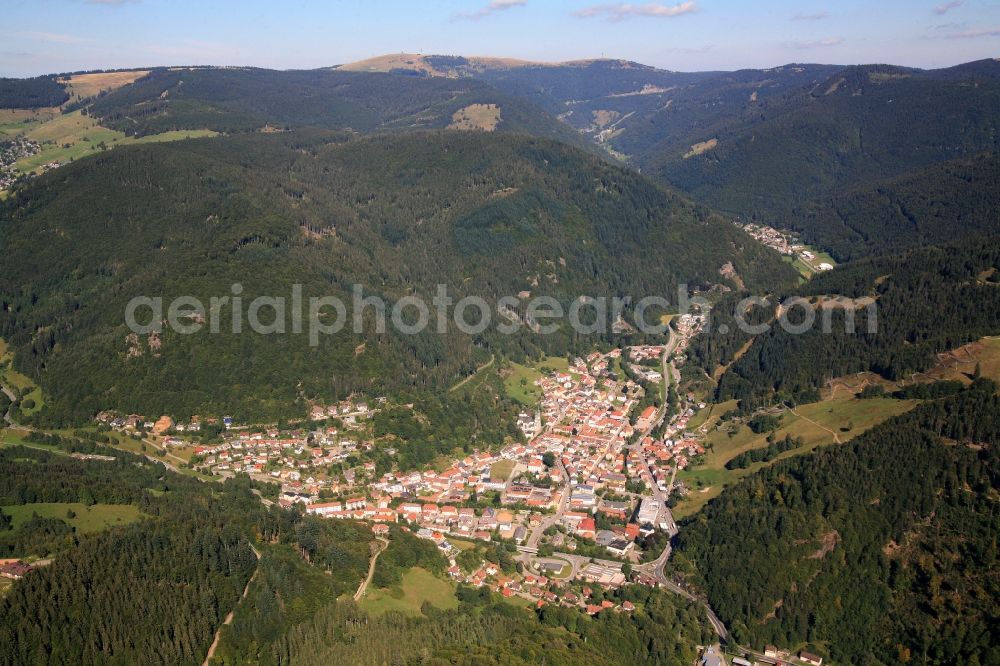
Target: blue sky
pixel 41 36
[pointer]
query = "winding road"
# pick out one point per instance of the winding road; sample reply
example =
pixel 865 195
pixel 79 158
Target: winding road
pixel 656 568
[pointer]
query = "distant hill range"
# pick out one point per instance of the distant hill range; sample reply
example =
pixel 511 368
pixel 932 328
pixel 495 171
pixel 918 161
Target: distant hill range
pixel 784 145
pixel 240 100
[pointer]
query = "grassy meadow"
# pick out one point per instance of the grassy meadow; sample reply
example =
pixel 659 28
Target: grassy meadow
pixel 418 586
pixel 86 518
pixel 519 380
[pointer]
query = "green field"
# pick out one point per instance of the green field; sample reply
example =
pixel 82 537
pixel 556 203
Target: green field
pixel 11 378
pixel 803 269
pixel 13 437
pixel 18 121
pixel 71 136
pixel 502 469
pixel 807 269
pixel 826 422
pixel 819 257
pixel 175 456
pixel 519 380
pixel 709 417
pixel 88 518
pixel 520 602
pixel 419 585
pixel 461 544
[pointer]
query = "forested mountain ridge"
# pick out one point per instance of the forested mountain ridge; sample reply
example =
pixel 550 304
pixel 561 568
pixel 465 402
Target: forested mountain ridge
pixel 942 203
pixel 879 551
pixel 617 102
pixel 35 93
pixel 819 149
pixel 249 99
pixel 488 215
pixel 859 124
pixel 811 147
pixel 919 303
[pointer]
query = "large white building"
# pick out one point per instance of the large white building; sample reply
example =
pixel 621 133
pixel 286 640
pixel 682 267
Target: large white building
pixel 649 510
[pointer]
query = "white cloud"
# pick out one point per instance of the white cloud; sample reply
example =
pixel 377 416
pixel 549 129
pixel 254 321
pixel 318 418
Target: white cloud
pixel 948 6
pixel 818 16
pixel 815 43
pixel 624 10
pixel 975 33
pixel 492 8
pixel 54 37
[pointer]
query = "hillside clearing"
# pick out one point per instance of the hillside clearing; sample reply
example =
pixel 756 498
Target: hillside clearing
pixel 701 147
pixel 81 86
pixel 817 424
pixel 519 380
pixel 87 519
pixel 419 586
pixel 14 379
pixel 14 122
pixel 71 136
pixel 957 365
pixel 483 117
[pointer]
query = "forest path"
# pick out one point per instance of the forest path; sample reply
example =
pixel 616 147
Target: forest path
pixel 229 617
pixel 478 370
pixel 371 569
pixel 836 437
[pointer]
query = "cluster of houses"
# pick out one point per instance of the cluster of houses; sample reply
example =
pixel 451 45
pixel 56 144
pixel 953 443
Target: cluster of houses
pixel 640 357
pixel 713 656
pixel 299 456
pixel 574 470
pixel 165 423
pixel 587 415
pixel 643 353
pixel 778 657
pixel 687 326
pixel 769 236
pixel 342 409
pixel 576 466
pixel 782 242
pixel 348 411
pixel 293 456
pixel 662 455
pixel 12 150
pixel 543 590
